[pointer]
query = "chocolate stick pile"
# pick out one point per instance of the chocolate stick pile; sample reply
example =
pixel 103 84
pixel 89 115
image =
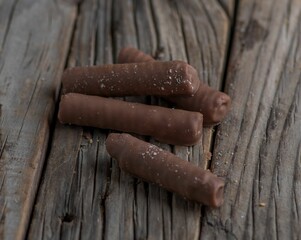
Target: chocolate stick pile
pixel 213 104
pixel 85 102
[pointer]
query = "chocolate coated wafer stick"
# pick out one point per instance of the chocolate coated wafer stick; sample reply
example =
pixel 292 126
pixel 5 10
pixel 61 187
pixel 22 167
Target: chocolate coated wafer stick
pixel 213 104
pixel 155 165
pixel 167 125
pixel 133 55
pixel 171 78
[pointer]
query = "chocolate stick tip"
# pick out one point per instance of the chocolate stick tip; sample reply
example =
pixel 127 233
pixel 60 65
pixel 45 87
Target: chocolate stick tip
pixel 61 111
pixel 218 198
pixel 131 54
pixel 221 108
pixel 111 141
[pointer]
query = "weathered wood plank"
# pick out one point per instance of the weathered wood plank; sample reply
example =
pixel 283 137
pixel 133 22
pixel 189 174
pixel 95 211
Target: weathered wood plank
pixel 228 6
pixel 7 10
pixel 76 201
pixel 120 203
pixel 34 43
pixel 70 203
pixel 120 206
pixel 258 148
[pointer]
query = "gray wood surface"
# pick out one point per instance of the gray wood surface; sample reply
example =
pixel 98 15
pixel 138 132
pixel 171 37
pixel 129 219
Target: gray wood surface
pixel 228 6
pixel 83 193
pixel 58 182
pixel 258 148
pixel 34 41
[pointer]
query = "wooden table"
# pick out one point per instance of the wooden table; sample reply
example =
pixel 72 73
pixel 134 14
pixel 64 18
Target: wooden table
pixel 58 182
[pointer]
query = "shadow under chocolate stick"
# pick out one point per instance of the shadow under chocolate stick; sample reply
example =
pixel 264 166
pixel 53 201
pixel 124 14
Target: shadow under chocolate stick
pixel 213 104
pixel 155 165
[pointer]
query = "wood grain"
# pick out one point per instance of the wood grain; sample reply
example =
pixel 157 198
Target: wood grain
pixel 34 39
pixel 258 148
pixel 96 197
pixel 228 6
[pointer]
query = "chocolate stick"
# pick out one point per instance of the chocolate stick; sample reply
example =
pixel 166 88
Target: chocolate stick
pixel 155 165
pixel 133 55
pixel 171 78
pixel 173 126
pixel 213 104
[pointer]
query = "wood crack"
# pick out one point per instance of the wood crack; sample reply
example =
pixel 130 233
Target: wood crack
pixel 27 47
pixel 229 48
pixel 135 23
pixel 10 18
pixel 3 146
pixel 95 175
pixel 225 9
pixel 112 31
pixel 160 47
pixel 297 169
pixel 184 37
pixel 28 106
pixel 2 213
pixel 73 31
pixel 212 27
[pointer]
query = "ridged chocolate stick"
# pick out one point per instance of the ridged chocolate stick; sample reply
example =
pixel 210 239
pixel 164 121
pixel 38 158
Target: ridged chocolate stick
pixel 213 104
pixel 171 78
pixel 167 125
pixel 155 165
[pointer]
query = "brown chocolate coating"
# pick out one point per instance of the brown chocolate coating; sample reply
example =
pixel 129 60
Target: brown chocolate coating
pixel 171 78
pixel 155 165
pixel 213 104
pixel 132 55
pixel 167 125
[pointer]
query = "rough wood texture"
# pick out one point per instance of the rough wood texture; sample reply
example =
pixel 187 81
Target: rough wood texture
pixel 84 194
pixel 228 6
pixel 258 148
pixel 34 41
